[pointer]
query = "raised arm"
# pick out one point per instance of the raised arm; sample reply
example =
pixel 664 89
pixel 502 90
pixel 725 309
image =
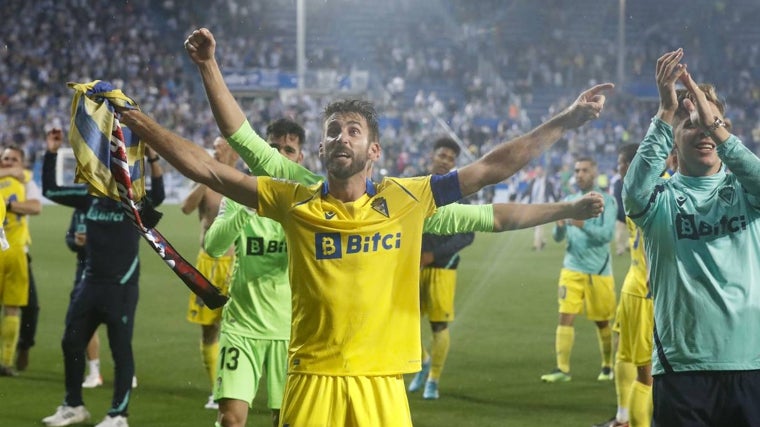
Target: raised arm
pixel 741 161
pixel 511 156
pixel 201 47
pixel 192 160
pixel 74 196
pixel 650 159
pixel 262 159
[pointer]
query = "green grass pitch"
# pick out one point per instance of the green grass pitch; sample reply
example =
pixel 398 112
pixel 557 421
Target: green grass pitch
pixel 502 341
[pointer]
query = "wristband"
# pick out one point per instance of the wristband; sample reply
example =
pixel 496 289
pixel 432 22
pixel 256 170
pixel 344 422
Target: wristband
pixel 718 123
pixel 154 159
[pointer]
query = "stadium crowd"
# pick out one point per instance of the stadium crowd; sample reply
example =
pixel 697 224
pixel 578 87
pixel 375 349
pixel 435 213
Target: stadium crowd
pixel 425 87
pixel 470 72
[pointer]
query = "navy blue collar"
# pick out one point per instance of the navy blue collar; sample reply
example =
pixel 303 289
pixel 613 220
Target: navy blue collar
pixel 371 190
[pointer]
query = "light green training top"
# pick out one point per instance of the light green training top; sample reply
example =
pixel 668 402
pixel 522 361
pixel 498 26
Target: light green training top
pixel 702 239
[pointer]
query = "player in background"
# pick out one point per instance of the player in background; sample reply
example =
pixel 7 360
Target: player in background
pixel 255 327
pixel 22 198
pixel 215 268
pixel 585 280
pixel 438 280
pixel 76 237
pixel 106 293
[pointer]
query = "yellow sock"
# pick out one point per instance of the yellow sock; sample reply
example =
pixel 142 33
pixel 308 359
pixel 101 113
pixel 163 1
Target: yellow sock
pixel 604 335
pixel 625 375
pixel 641 405
pixel 425 355
pixel 564 346
pixel 210 353
pixel 9 332
pixel 438 352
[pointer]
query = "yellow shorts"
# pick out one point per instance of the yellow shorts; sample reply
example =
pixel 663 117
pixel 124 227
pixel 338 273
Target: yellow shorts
pixel 437 289
pixel 14 277
pixel 217 271
pixel 594 293
pixel 328 401
pixel 634 322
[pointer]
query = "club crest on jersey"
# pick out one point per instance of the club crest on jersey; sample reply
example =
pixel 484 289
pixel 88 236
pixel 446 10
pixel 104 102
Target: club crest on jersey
pixel 329 215
pixel 680 200
pixel 727 194
pixel 381 206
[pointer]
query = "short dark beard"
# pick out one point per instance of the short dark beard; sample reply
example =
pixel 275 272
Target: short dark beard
pixel 344 172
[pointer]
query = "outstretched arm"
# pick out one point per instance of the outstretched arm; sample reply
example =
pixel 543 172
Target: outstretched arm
pixel 511 156
pixel 192 160
pixel 498 217
pixel 515 216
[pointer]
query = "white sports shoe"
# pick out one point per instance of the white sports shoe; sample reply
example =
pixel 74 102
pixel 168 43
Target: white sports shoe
pixel 67 415
pixel 117 421
pixel 211 404
pixel 134 381
pixel 92 381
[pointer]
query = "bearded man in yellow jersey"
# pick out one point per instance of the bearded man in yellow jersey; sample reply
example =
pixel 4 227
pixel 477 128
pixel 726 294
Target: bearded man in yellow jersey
pixel 354 249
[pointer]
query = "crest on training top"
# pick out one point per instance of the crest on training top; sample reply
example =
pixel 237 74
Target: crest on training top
pixel 727 194
pixel 381 206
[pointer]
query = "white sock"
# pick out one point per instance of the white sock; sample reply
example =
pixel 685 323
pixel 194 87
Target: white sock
pixel 622 415
pixel 94 366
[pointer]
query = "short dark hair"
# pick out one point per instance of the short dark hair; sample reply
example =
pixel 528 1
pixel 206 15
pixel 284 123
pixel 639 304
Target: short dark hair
pixel 284 126
pixel 628 151
pixel 447 142
pixel 586 159
pixel 364 108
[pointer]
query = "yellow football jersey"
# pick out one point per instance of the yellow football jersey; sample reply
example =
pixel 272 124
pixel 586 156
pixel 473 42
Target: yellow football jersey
pixel 354 273
pixel 15 225
pixel 638 274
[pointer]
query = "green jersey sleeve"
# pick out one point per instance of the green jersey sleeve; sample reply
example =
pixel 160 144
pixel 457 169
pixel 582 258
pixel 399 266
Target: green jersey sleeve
pixel 226 227
pixel 264 160
pixel 457 218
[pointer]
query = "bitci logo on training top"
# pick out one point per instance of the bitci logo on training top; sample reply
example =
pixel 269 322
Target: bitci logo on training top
pixel 336 245
pixel 689 226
